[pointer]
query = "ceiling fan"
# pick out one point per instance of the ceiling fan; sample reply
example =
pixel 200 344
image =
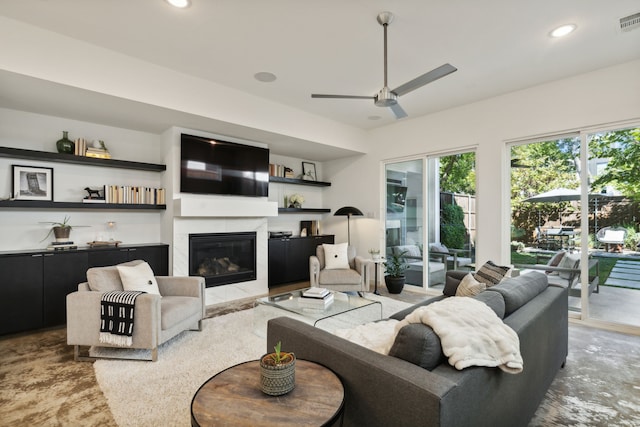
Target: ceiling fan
pixel 387 97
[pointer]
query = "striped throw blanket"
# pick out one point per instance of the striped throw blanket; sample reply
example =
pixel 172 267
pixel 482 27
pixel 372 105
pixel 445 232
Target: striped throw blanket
pixel 116 315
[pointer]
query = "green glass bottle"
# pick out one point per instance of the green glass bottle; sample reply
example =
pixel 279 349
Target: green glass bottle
pixel 65 145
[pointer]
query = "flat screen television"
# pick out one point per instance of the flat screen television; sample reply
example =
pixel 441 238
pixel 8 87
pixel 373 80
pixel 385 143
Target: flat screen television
pixel 396 198
pixel 213 166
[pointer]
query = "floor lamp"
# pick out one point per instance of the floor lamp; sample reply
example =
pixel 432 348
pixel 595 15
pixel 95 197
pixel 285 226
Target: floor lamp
pixel 348 211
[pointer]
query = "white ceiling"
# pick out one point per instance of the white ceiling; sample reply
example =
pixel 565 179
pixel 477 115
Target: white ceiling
pixel 335 46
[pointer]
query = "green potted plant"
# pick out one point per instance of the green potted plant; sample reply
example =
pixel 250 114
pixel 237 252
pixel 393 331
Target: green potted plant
pixel 277 372
pixel 394 270
pixel 60 230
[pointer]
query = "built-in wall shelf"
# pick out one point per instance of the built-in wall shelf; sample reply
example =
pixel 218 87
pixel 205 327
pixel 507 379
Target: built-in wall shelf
pixel 38 204
pixel 303 210
pixel 298 181
pixel 20 153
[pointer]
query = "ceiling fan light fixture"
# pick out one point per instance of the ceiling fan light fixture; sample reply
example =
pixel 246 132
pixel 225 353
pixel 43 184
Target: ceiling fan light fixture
pixel 265 77
pixel 180 4
pixel 563 30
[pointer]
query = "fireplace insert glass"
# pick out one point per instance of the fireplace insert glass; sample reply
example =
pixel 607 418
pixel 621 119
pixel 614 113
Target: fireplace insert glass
pixel 223 258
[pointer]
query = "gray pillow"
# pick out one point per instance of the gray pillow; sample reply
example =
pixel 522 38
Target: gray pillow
pixel 517 291
pixel 494 300
pixel 105 279
pixel 418 344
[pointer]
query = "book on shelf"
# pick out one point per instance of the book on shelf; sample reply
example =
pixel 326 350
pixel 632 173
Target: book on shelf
pixel 61 243
pixel 316 293
pixel 97 155
pixel 134 195
pixel 311 302
pixel 60 246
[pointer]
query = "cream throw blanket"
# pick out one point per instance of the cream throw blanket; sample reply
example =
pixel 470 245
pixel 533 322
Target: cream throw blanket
pixel 471 334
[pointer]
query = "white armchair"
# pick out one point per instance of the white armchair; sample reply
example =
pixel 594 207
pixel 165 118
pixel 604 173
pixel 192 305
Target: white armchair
pixel 355 278
pixel 157 319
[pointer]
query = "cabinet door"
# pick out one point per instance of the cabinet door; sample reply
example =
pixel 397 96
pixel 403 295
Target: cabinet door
pixel 156 256
pixel 62 273
pixel 298 254
pixel 277 261
pixel 106 257
pixel 20 293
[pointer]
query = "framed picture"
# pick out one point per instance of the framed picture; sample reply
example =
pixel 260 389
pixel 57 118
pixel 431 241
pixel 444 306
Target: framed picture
pixel 309 171
pixel 32 183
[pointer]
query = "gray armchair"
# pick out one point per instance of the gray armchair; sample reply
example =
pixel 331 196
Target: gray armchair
pixel 157 319
pixel 356 278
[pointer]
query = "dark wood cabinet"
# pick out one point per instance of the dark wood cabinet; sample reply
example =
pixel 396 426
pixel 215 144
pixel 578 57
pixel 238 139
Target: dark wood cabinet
pixel 34 285
pixel 21 299
pixel 156 255
pixel 61 274
pixel 289 258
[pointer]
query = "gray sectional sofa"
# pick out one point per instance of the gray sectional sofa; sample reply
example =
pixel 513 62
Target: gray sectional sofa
pixel 385 390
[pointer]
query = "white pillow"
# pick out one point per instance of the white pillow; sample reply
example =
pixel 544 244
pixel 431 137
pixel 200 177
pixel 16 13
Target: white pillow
pixel 469 286
pixel 138 278
pixel 335 256
pixel 569 261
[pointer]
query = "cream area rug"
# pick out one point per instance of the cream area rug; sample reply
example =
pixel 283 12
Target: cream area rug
pixel 160 393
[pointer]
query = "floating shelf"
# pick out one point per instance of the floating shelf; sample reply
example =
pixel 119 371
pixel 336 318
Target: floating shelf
pixel 298 181
pixel 303 210
pixel 19 153
pixel 37 204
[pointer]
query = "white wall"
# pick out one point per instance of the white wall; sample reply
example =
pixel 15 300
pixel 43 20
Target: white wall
pixel 22 229
pixel 602 97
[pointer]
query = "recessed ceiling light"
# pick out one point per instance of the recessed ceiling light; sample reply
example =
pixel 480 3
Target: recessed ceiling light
pixel 374 117
pixel 265 77
pixel 563 30
pixel 179 3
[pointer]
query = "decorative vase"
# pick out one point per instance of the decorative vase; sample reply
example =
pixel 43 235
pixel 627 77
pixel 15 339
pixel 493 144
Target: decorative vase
pixel 65 145
pixel 395 284
pixel 277 379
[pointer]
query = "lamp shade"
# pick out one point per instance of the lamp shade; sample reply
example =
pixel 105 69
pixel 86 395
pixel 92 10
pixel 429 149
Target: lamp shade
pixel 348 211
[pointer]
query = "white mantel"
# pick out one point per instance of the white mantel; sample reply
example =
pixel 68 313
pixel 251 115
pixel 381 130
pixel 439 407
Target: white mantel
pixel 193 205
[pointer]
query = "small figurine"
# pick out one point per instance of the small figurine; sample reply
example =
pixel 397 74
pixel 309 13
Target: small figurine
pixel 93 194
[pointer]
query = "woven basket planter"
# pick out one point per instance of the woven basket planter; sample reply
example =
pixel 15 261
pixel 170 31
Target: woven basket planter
pixel 276 380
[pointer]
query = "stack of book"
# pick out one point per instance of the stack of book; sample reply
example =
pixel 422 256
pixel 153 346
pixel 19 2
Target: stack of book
pixel 98 153
pixel 316 298
pixel 61 246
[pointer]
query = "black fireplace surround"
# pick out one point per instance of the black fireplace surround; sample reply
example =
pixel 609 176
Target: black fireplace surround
pixel 223 258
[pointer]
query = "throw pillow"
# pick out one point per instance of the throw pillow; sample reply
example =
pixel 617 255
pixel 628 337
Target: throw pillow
pixel 469 287
pixel 490 274
pixel 569 261
pixel 138 278
pixel 418 344
pixel 438 247
pixel 554 261
pixel 335 256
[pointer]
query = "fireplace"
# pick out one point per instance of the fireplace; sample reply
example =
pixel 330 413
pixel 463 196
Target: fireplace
pixel 223 258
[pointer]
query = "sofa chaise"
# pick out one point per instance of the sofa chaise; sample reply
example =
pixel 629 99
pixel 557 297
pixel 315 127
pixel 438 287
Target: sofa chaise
pixel 385 390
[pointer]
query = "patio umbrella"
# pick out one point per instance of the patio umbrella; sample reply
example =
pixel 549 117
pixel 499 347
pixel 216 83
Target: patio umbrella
pixel 558 195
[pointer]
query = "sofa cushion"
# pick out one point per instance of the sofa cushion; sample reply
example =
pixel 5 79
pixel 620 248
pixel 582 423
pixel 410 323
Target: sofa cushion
pixel 490 273
pixel 517 291
pixel 175 309
pixel 403 313
pixel 105 279
pixel 407 250
pixel 138 278
pixel 469 287
pixel 339 277
pixel 418 344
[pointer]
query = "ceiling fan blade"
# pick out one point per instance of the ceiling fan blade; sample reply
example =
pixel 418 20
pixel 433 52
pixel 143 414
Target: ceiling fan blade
pixel 422 80
pixel 316 95
pixel 398 111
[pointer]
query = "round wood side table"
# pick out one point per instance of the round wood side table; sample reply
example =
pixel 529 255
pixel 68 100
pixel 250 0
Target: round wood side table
pixel 233 397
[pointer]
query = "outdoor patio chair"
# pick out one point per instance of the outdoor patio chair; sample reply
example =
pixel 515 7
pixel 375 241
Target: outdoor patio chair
pixel 612 236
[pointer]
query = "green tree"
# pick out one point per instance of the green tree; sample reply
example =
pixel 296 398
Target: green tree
pixel 622 149
pixel 458 173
